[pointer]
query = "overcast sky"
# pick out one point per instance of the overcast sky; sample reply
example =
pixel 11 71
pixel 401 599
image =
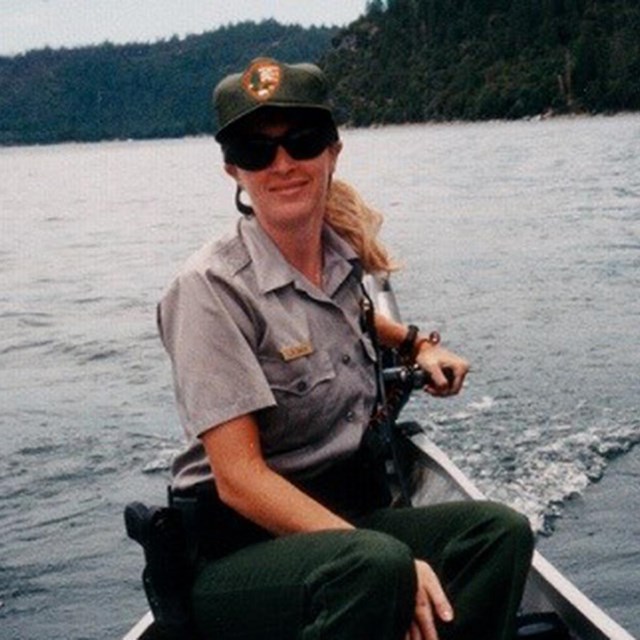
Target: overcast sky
pixel 33 24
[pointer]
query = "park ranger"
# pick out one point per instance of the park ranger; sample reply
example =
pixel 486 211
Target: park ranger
pixel 273 351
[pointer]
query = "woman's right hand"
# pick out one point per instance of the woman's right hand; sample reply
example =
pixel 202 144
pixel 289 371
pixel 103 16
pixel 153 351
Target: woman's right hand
pixel 431 604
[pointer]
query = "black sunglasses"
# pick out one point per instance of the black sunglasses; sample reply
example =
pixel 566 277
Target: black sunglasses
pixel 257 152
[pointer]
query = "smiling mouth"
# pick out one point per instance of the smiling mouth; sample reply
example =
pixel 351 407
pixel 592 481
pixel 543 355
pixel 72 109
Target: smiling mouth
pixel 288 187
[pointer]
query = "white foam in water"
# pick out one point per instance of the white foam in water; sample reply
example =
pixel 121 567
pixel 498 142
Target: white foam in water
pixel 484 404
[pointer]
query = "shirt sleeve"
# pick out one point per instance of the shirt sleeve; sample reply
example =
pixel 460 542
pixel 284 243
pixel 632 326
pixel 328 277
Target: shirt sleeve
pixel 211 339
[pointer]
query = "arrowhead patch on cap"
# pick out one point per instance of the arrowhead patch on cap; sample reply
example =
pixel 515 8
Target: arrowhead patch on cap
pixel 262 79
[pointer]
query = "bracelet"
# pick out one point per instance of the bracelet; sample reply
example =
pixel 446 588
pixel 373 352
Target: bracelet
pixel 433 339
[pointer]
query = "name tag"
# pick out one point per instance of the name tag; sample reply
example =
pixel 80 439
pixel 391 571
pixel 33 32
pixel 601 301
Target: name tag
pixel 296 351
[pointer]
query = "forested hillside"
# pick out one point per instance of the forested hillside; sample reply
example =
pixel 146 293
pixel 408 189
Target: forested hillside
pixel 416 60
pixel 136 91
pixel 403 61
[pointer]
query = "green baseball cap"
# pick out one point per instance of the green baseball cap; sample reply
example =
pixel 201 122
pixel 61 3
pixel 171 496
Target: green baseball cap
pixel 269 83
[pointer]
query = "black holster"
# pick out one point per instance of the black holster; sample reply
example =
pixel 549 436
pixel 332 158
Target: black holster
pixel 169 569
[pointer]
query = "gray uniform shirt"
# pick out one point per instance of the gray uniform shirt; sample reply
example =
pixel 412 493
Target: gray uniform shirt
pixel 247 333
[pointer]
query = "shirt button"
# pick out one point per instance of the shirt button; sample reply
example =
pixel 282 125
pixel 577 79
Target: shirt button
pixel 301 386
pixel 350 416
pixel 346 358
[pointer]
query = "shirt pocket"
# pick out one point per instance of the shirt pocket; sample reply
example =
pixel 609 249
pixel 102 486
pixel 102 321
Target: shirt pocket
pixel 299 377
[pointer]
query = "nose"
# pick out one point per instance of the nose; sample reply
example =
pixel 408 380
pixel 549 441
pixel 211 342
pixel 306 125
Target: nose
pixel 283 161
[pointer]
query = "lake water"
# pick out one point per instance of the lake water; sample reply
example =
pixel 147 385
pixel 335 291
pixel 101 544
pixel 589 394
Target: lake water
pixel 520 243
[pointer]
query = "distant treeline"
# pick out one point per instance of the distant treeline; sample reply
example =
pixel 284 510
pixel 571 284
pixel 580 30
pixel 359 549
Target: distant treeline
pixel 403 61
pixel 417 60
pixel 136 91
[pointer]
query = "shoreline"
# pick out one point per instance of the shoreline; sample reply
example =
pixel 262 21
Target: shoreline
pixel 533 119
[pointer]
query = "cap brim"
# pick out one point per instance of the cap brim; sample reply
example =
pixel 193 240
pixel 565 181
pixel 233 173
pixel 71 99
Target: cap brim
pixel 235 123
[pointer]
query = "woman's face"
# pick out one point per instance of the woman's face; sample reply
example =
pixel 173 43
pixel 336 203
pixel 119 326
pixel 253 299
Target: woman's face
pixel 288 194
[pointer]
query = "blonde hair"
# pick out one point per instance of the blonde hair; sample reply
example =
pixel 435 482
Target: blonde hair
pixel 351 218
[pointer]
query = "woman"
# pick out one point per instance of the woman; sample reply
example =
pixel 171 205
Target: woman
pixel 274 371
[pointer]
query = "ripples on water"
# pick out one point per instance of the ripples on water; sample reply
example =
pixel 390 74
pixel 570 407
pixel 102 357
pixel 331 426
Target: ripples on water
pixel 521 243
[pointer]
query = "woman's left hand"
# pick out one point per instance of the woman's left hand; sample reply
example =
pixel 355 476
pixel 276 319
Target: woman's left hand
pixel 431 605
pixel 446 370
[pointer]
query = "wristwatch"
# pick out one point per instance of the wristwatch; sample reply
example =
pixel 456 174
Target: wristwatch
pixel 410 346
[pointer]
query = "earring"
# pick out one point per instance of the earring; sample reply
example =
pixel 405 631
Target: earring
pixel 243 208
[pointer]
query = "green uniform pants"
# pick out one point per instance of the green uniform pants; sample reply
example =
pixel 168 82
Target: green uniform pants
pixel 351 585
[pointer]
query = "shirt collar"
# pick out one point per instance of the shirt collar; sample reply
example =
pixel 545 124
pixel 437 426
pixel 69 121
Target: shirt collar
pixel 273 271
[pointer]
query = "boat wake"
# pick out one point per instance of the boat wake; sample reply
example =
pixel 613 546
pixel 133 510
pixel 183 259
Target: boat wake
pixel 532 463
